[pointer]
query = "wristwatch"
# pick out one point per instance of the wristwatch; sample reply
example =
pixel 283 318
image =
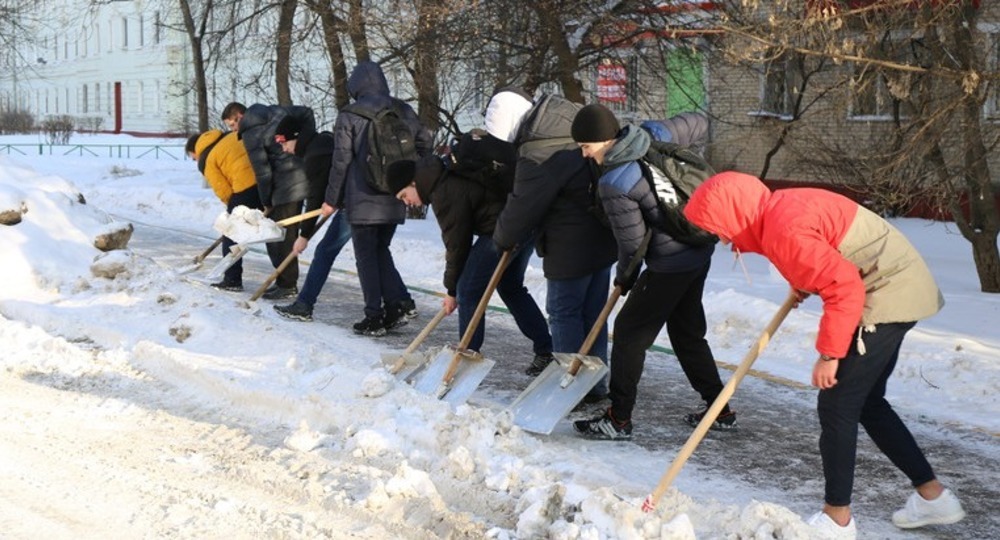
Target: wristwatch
pixel 827 358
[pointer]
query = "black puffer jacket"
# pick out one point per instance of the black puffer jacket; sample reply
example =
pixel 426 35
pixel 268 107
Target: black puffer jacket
pixel 315 150
pixel 348 188
pixel 468 197
pixel 280 176
pixel 552 194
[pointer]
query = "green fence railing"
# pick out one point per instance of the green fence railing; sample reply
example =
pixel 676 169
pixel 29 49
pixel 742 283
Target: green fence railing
pixel 126 151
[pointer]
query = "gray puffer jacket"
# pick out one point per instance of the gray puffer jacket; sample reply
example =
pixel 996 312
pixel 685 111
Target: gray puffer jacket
pixel 348 189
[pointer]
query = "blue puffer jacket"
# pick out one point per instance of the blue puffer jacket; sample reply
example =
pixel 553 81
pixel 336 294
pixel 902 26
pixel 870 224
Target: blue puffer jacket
pixel 632 209
pixel 348 189
pixel 280 176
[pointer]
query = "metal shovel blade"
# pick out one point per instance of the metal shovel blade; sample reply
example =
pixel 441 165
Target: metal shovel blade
pixel 554 393
pixel 220 268
pixel 402 365
pixel 471 371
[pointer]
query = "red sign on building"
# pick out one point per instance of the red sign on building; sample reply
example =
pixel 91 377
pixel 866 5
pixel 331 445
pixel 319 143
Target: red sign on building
pixel 611 83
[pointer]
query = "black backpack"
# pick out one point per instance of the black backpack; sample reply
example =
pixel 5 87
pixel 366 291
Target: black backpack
pixel 390 139
pixel 673 173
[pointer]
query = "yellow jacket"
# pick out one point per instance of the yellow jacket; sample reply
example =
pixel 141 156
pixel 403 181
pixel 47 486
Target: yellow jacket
pixel 227 167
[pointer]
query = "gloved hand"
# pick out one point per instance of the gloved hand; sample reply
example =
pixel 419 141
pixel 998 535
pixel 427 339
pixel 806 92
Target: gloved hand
pixel 625 284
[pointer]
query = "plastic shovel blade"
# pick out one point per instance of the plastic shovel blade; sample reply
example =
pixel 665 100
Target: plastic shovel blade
pixel 546 400
pixel 402 365
pixel 472 369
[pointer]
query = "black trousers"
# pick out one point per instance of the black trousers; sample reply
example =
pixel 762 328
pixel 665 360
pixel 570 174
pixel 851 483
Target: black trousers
pixel 251 199
pixel 277 251
pixel 859 397
pixel 673 299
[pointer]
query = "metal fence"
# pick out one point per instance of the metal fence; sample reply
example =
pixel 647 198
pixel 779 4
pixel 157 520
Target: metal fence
pixel 127 151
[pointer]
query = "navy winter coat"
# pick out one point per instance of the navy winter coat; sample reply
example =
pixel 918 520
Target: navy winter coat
pixel 348 189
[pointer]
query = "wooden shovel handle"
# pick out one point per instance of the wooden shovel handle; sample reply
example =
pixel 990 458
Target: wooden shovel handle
pixel 477 316
pixel 727 392
pixel 418 340
pixel 301 217
pixel 208 251
pixel 595 330
pixel 284 264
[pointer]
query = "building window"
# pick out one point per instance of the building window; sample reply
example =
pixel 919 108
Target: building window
pixel 142 31
pixel 156 28
pixel 871 96
pixel 97 97
pixel 86 103
pixel 124 32
pixel 780 80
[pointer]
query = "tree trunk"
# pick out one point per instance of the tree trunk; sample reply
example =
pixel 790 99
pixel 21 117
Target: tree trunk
pixel 332 29
pixel 358 32
pixel 198 63
pixel 282 73
pixel 567 62
pixel 426 64
pixel 987 257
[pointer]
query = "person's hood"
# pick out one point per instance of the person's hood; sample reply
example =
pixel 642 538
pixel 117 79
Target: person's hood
pixel 631 145
pixel 367 79
pixel 205 139
pixel 731 204
pixel 504 114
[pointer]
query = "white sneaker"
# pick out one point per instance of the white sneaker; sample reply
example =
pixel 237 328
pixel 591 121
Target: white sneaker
pixel 829 528
pixel 919 512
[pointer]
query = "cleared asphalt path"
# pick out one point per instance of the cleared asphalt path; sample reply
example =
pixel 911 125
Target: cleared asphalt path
pixel 775 448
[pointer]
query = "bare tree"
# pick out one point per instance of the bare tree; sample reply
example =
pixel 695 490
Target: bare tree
pixel 894 93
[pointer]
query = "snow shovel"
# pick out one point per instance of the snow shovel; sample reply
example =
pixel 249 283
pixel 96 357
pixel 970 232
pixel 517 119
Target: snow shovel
pixel 447 376
pixel 200 259
pixel 565 381
pixel 699 432
pixel 271 233
pixel 403 364
pixel 284 264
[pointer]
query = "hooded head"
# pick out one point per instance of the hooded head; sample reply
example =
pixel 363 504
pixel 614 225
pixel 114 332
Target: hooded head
pixel 367 79
pixel 505 111
pixel 730 205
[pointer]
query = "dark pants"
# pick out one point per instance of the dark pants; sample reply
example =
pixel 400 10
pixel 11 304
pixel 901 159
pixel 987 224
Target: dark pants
pixel 337 235
pixel 859 397
pixel 656 299
pixel 251 199
pixel 380 282
pixel 574 305
pixel 278 251
pixel 476 274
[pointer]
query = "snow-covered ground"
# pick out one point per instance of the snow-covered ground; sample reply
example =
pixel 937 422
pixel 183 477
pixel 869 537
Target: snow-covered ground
pixel 150 405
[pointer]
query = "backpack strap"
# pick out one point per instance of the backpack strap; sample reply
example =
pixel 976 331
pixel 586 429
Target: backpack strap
pixel 203 157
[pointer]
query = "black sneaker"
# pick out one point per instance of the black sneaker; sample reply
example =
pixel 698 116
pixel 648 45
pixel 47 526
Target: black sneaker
pixel 231 286
pixel 409 308
pixel 604 428
pixel 538 364
pixel 370 326
pixel 726 421
pixel 275 292
pixel 297 311
pixel 395 317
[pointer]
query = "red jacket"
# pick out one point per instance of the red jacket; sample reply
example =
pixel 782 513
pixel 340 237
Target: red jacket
pixel 825 244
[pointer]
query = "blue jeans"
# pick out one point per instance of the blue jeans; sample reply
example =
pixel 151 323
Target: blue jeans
pixel 381 284
pixel 574 306
pixel 337 234
pixel 476 274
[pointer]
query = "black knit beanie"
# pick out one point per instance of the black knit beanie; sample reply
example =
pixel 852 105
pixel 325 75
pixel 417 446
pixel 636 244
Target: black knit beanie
pixel 287 130
pixel 400 174
pixel 594 123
